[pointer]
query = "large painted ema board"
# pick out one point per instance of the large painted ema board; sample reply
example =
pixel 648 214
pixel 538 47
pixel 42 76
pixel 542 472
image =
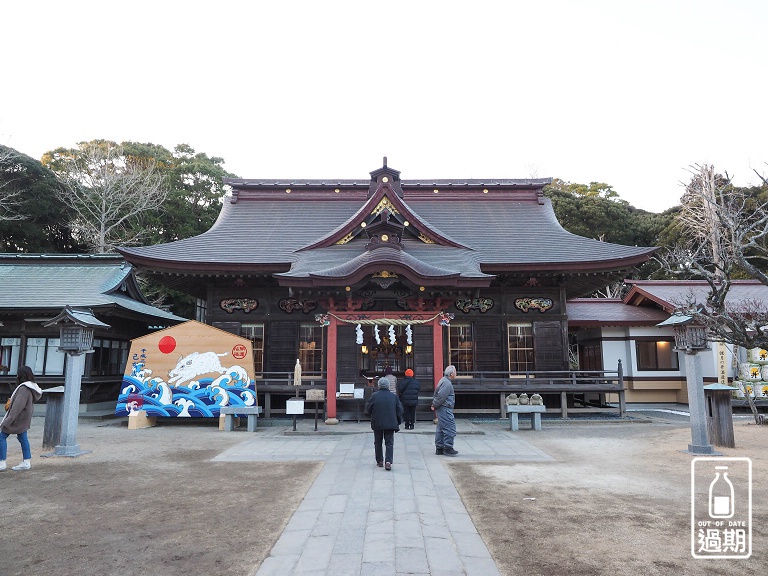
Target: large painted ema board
pixel 188 371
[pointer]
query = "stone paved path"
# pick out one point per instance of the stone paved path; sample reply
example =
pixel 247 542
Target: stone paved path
pixel 358 519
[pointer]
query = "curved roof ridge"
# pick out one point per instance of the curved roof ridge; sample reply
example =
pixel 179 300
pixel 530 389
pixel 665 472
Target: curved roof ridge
pixel 354 221
pixel 361 265
pixel 392 256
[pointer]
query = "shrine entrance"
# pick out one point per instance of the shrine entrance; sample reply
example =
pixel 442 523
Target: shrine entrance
pixel 362 345
pixel 391 350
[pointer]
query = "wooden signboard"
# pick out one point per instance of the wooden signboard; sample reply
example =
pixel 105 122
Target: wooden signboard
pixel 189 370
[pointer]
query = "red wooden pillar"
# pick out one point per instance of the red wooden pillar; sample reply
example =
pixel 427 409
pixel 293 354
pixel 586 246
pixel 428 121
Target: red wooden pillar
pixel 437 347
pixel 330 385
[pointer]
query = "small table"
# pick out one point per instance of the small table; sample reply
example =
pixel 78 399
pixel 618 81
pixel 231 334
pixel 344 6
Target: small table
pixel 534 410
pixel 317 403
pixel 343 398
pixel 230 412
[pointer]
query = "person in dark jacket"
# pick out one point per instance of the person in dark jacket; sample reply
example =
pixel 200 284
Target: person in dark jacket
pixel 408 390
pixel 386 414
pixel 18 418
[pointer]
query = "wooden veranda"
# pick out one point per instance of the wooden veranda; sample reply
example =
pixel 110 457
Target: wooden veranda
pixel 576 391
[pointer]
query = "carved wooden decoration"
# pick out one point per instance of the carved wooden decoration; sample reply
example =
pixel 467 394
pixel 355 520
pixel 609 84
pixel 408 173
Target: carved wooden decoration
pixel 540 304
pixel 346 238
pixel 467 304
pixel 245 304
pixel 385 204
pixel 290 304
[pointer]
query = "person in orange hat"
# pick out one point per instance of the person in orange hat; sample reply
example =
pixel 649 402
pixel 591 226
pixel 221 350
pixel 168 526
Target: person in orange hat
pixel 408 390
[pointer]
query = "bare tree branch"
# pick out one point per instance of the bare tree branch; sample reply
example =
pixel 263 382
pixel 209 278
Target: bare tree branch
pixel 726 238
pixel 10 196
pixel 109 192
pixel 761 176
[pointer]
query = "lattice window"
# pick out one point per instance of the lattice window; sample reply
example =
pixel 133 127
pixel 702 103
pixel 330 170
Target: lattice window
pixel 255 333
pixel 311 348
pixel 520 343
pixel 461 347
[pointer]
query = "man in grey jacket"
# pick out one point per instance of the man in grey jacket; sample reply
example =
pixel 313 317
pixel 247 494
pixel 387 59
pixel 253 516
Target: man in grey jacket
pixel 442 404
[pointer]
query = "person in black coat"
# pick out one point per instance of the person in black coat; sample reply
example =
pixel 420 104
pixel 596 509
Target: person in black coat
pixel 408 390
pixel 386 414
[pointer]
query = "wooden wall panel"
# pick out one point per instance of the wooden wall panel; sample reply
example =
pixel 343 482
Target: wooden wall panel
pixel 423 356
pixel 489 349
pixel 549 350
pixel 347 350
pixel 281 346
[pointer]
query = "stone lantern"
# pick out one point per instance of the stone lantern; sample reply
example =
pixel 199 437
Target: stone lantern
pixel 76 327
pixel 691 338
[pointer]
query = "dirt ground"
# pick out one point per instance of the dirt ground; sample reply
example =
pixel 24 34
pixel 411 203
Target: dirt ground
pixel 144 503
pixel 615 501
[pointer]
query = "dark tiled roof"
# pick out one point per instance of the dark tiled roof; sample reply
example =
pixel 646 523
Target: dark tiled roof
pixel 611 312
pixel 51 282
pixel 650 302
pixel 673 293
pixel 248 232
pixel 520 233
pixel 308 229
pixel 504 233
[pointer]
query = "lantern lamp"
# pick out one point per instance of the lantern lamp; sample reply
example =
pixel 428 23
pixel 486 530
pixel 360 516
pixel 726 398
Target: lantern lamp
pixel 76 328
pixel 691 338
pixel 690 334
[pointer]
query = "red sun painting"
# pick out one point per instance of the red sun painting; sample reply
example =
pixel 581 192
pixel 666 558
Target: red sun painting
pixel 167 344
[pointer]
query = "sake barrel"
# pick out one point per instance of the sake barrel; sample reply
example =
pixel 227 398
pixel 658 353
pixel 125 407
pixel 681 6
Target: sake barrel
pixel 749 372
pixel 757 356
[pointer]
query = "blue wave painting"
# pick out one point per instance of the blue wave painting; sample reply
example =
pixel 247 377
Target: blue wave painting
pixel 196 399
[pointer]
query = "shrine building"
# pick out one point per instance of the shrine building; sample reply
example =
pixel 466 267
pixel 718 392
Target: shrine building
pixel 352 276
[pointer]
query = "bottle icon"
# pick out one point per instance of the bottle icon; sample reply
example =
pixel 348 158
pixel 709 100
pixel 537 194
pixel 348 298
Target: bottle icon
pixel 721 503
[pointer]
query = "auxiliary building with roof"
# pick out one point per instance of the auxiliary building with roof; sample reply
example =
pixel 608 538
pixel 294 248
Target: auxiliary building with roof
pixel 604 331
pixel 35 288
pixel 353 276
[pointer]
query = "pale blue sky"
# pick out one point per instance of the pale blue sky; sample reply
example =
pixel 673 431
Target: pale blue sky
pixel 630 93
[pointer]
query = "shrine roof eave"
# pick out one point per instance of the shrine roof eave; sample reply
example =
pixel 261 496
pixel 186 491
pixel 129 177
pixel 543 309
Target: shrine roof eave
pixel 590 267
pixel 608 323
pixel 207 267
pixel 357 269
pixel 456 281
